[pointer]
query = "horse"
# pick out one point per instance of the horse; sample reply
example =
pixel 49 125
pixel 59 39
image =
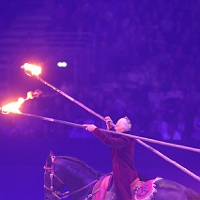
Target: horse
pixel 67 177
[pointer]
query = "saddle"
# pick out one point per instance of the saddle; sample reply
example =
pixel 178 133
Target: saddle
pixel 104 189
pixel 143 190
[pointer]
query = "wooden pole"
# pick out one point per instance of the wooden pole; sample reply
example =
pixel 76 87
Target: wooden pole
pixel 170 160
pixel 99 116
pixel 128 135
pixel 116 133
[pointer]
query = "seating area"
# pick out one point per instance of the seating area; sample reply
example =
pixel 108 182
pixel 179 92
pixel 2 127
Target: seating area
pixel 138 59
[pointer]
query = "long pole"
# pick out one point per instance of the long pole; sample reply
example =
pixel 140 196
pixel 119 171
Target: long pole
pixel 128 135
pixel 170 160
pixel 102 118
pixel 71 99
pixel 96 114
pixel 116 133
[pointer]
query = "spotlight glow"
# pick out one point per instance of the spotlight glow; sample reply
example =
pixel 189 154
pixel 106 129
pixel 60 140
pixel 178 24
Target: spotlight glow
pixel 62 64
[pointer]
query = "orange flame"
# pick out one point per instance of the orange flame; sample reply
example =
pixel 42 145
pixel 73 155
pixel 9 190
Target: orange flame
pixel 14 107
pixel 31 69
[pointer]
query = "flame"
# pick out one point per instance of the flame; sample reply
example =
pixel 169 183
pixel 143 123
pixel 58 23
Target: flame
pixel 31 69
pixel 32 95
pixel 14 107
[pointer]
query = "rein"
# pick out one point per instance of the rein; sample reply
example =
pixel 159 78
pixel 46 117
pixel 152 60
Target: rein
pixel 57 194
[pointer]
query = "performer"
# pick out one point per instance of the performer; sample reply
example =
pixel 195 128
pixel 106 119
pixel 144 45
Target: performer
pixel 122 152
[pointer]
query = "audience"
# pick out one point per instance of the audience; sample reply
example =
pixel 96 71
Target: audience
pixel 161 126
pixel 196 125
pixel 147 67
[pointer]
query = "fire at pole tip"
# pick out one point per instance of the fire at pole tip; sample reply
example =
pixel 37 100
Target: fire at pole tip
pixel 31 70
pixel 14 107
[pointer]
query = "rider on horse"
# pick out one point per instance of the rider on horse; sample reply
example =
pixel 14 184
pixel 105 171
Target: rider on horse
pixel 122 153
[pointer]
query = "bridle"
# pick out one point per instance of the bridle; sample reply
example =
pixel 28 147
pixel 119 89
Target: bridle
pixel 58 194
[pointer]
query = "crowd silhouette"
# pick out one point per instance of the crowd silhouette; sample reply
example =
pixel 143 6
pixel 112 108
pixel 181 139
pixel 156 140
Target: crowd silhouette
pixel 147 68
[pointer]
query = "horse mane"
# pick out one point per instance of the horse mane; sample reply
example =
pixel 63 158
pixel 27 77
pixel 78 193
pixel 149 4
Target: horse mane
pixel 97 174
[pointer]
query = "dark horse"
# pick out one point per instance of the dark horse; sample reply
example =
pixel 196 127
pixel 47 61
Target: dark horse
pixel 69 178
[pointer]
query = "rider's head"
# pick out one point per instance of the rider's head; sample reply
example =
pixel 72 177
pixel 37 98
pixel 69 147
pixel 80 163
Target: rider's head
pixel 123 125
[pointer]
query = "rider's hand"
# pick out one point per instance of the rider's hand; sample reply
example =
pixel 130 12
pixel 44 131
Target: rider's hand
pixel 89 127
pixel 108 122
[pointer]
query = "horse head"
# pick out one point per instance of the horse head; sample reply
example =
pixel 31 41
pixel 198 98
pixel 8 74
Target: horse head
pixel 67 176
